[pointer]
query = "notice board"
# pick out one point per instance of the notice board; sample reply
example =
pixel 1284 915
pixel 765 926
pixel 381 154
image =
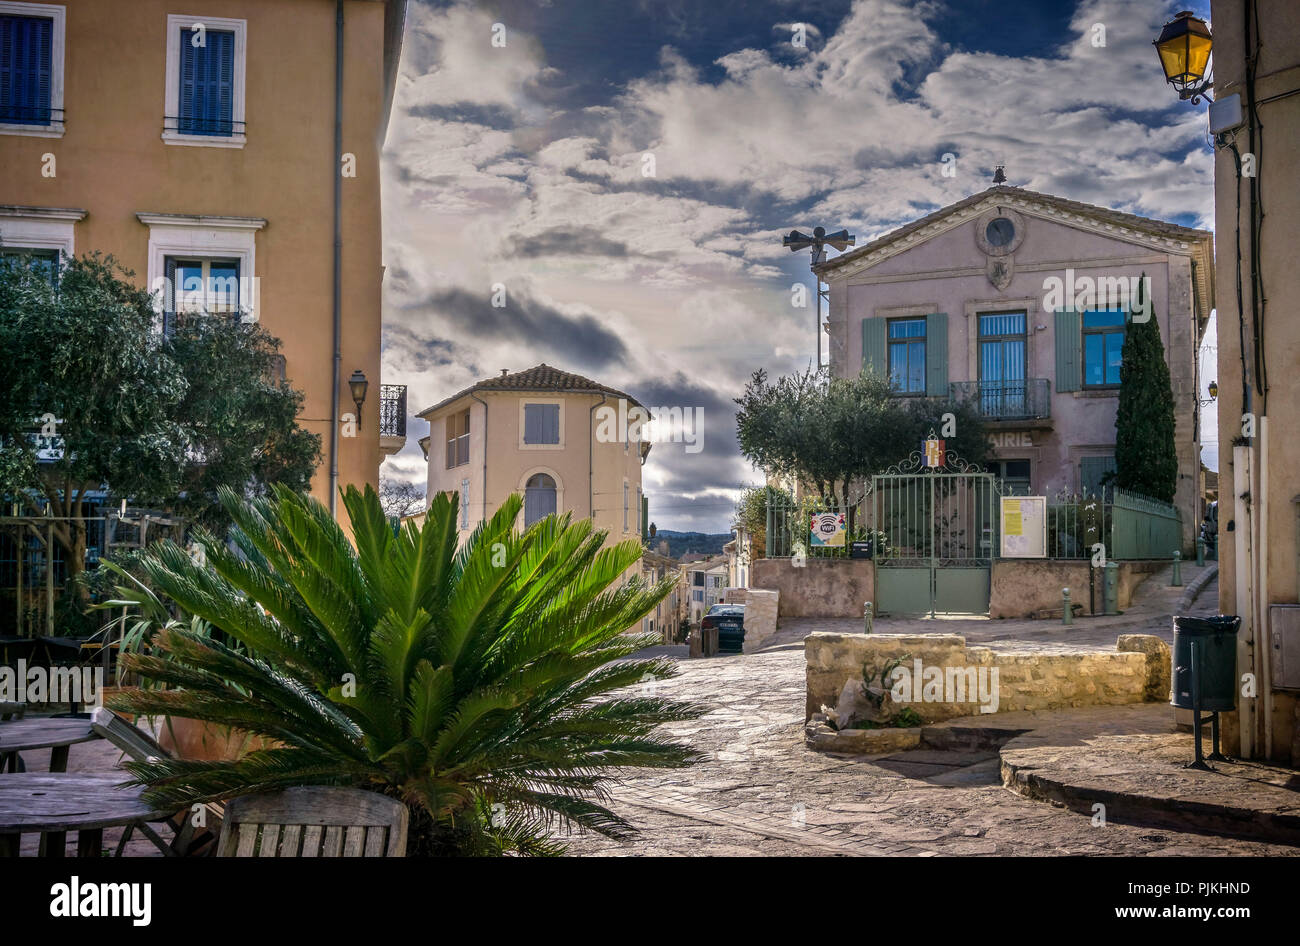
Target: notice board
pixel 1024 526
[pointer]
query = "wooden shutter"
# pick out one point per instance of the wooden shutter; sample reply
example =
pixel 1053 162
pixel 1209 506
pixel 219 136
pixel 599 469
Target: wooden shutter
pixel 26 52
pixel 936 354
pixel 1068 373
pixel 532 423
pixel 186 115
pixel 222 91
pixel 1091 470
pixel 550 423
pixel 875 353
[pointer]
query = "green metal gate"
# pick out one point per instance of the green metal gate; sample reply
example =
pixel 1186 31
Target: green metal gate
pixel 935 538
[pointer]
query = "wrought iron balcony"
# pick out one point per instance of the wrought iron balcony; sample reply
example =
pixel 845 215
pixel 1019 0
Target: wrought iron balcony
pixel 392 410
pixel 1027 399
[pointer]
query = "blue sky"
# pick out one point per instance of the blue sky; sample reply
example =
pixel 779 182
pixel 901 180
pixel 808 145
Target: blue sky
pixel 523 165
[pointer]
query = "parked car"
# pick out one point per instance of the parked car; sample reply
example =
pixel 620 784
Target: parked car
pixel 729 619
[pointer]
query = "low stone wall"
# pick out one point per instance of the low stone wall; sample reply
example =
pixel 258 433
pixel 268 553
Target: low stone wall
pixel 761 609
pixel 1024 681
pixel 1019 588
pixel 821 588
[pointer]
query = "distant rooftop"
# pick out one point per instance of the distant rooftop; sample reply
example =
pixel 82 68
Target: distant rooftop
pixel 541 377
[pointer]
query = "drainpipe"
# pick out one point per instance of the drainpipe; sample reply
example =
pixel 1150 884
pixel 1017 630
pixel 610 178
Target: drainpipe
pixel 1242 568
pixel 485 450
pixel 1261 622
pixel 337 369
pixel 591 459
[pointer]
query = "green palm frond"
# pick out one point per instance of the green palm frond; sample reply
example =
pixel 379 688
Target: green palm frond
pixel 491 685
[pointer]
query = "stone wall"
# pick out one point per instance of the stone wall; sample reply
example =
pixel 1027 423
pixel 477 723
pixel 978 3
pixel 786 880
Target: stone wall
pixel 821 588
pixel 761 608
pixel 1019 588
pixel 1031 680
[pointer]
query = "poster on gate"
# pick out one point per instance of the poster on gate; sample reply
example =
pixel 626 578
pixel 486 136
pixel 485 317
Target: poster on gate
pixel 827 530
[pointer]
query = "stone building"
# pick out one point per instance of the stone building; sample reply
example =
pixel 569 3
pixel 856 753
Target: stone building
pixel 201 153
pixel 560 440
pixel 1259 516
pixel 1016 300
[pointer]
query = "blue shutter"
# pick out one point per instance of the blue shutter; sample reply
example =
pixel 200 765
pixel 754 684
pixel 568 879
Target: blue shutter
pixel 207 84
pixel 1068 372
pixel 874 358
pixel 551 423
pixel 26 54
pixel 936 354
pixel 532 423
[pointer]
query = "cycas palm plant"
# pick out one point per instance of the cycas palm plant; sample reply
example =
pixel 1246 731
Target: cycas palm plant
pixel 474 683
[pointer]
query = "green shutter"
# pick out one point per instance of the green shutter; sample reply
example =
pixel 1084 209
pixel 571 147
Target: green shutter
pixel 1067 350
pixel 875 360
pixel 936 354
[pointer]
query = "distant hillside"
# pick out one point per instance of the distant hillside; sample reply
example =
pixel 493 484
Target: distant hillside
pixel 683 543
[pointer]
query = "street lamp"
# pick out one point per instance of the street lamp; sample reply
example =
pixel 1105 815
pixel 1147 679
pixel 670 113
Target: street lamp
pixel 1184 49
pixel 358 384
pixel 820 238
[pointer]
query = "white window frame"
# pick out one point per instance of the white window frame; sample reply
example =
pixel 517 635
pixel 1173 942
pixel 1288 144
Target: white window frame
pixel 40 228
pixel 176 23
pixel 523 403
pixel 197 237
pixel 58 44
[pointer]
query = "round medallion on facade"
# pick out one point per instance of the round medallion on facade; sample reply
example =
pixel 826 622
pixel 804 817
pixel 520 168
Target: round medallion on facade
pixel 999 231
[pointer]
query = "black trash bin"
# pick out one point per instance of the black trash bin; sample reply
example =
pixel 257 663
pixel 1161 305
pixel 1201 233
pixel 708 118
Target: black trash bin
pixel 1216 647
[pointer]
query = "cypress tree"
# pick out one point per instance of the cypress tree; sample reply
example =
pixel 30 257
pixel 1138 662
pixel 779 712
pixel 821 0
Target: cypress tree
pixel 1146 460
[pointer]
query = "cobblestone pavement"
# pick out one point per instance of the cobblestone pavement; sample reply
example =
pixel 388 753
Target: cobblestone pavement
pixel 761 792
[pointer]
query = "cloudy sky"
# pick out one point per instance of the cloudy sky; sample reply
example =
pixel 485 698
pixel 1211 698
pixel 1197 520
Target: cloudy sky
pixel 525 165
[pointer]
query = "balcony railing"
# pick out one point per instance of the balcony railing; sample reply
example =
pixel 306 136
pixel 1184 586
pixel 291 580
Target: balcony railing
pixel 1027 399
pixel 392 410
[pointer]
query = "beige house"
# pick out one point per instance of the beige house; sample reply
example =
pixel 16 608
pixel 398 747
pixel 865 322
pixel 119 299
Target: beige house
pixel 1015 300
pixel 195 142
pixel 704 583
pixel 666 617
pixel 564 442
pixel 1259 389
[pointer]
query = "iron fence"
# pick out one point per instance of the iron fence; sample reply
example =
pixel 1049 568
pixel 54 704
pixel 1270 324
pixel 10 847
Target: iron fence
pixel 1023 399
pixel 392 410
pixel 1127 525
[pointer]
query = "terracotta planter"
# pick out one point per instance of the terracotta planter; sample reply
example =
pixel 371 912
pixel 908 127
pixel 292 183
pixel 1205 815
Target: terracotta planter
pixel 206 742
pixel 107 693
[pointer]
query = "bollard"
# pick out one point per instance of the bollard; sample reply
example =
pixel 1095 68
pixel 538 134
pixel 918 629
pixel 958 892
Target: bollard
pixel 1176 580
pixel 1067 616
pixel 1200 552
pixel 866 618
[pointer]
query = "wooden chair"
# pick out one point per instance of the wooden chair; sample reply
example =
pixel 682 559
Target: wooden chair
pixel 312 821
pixel 12 761
pixel 140 746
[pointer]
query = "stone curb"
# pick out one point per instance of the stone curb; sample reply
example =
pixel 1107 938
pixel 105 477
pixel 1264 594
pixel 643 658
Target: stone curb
pixel 1204 817
pixel 1198 584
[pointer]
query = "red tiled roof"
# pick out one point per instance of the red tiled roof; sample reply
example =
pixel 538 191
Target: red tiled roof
pixel 541 377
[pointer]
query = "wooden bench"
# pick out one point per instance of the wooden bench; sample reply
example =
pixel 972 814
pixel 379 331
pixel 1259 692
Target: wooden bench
pixel 313 821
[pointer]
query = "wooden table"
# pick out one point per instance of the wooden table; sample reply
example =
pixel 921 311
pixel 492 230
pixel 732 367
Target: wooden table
pixel 55 803
pixel 42 732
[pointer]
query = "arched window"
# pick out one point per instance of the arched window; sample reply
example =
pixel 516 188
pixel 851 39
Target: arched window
pixel 539 498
